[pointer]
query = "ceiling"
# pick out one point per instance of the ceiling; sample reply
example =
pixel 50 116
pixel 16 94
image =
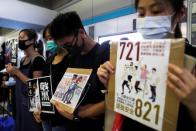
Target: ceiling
pixel 51 4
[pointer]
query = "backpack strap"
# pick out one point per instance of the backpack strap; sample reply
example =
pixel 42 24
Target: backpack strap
pixel 31 63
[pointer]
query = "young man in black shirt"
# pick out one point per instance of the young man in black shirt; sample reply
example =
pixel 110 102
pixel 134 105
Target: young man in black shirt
pixel 68 32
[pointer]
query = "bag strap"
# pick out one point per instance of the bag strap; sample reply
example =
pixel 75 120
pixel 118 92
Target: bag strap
pixel 32 59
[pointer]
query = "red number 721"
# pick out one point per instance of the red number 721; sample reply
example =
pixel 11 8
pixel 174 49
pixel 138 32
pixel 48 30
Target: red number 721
pixel 130 45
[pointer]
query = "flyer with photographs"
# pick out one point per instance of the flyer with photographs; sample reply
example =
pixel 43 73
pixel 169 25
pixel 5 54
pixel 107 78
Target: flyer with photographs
pixel 33 95
pixel 39 94
pixel 45 90
pixel 71 87
pixel 11 51
pixel 140 80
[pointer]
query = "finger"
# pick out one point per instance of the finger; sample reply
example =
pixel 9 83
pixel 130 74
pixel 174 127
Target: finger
pixel 39 108
pixel 104 74
pixel 177 71
pixel 176 91
pixel 110 65
pixel 107 66
pixel 178 83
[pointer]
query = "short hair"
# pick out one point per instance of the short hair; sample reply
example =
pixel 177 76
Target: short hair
pixel 65 25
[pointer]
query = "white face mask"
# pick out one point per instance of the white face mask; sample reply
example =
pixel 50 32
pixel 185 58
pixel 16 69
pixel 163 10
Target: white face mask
pixel 154 27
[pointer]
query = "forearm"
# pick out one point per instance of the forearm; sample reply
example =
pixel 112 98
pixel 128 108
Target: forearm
pixel 93 110
pixel 21 76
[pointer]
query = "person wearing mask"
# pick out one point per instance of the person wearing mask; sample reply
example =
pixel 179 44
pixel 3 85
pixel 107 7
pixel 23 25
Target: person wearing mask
pixel 163 17
pixel 56 64
pixel 31 66
pixel 51 46
pixel 68 32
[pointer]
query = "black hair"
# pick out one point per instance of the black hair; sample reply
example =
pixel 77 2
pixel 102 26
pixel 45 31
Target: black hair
pixel 40 47
pixel 30 33
pixel 177 5
pixel 154 69
pixel 47 28
pixel 65 25
pixel 75 76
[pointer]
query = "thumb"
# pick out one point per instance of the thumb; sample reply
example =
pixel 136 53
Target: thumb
pixel 39 108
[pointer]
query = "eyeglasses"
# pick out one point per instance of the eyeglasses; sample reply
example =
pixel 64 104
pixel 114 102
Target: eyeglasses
pixel 66 43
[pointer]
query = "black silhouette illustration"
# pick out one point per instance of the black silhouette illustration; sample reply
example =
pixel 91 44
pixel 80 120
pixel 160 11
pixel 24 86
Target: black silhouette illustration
pixel 70 92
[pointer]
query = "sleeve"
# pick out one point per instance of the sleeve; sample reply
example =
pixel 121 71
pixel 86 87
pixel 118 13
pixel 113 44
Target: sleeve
pixel 105 49
pixel 38 64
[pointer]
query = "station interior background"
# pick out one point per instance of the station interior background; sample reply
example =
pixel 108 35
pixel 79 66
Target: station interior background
pixel 102 19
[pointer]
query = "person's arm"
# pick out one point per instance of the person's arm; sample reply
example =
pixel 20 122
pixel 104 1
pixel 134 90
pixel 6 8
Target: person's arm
pixel 92 110
pixel 88 111
pixel 183 84
pixel 16 72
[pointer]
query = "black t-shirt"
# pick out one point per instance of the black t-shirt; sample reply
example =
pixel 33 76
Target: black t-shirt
pixel 36 64
pixel 92 60
pixel 57 73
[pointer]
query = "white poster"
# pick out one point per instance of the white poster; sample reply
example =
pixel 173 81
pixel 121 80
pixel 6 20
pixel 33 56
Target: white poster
pixel 70 88
pixel 140 80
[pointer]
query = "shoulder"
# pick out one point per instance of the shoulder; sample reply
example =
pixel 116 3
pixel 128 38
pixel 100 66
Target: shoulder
pixel 38 59
pixel 104 49
pixel 105 45
pixel 50 58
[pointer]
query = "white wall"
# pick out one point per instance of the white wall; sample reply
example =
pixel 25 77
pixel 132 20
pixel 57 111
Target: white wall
pixel 114 26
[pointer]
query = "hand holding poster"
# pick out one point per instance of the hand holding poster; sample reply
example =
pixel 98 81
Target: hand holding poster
pixel 45 90
pixel 140 91
pixel 39 94
pixel 70 88
pixel 33 95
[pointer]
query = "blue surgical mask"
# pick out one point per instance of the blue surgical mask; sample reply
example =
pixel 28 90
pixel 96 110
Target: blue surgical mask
pixel 155 27
pixel 52 46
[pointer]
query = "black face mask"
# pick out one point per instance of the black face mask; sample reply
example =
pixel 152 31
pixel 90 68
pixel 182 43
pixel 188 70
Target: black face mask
pixel 22 45
pixel 74 49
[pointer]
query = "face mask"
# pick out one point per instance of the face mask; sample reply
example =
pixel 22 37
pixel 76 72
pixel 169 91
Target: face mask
pixel 155 27
pixel 51 46
pixel 22 44
pixel 74 49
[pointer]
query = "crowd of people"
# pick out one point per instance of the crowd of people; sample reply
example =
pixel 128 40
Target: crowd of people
pixel 68 45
